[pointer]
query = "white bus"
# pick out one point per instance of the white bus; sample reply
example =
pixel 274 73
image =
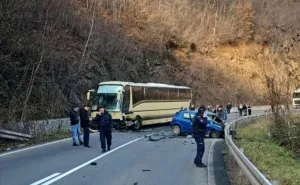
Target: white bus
pixel 296 98
pixel 137 104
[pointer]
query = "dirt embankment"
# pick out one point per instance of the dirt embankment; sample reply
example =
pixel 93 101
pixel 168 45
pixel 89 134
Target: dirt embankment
pixel 53 51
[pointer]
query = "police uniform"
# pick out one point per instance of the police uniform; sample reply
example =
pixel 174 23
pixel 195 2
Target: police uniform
pixel 199 130
pixel 104 123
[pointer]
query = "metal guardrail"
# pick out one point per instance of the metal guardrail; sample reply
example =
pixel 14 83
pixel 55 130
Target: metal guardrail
pixel 250 170
pixel 14 135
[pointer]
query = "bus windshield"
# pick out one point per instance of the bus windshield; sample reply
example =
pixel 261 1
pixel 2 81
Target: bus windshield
pixel 296 95
pixel 107 97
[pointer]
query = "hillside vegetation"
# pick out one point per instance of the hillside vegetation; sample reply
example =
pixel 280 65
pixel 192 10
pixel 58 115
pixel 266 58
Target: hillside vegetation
pixel 52 51
pixel 277 141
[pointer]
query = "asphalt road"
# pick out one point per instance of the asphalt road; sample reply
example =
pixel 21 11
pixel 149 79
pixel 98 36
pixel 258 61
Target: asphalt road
pixel 133 160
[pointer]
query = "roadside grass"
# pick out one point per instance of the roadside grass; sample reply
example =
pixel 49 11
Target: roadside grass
pixel 276 162
pixel 61 134
pixel 8 145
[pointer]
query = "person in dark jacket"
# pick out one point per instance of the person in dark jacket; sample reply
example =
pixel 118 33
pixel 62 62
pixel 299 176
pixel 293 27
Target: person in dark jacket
pixel 85 124
pixel 229 107
pixel 104 123
pixel 249 110
pixel 75 126
pixel 245 109
pixel 219 111
pixel 199 131
pixel 240 109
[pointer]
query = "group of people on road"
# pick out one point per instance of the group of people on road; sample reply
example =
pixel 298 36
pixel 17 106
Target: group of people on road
pixel 219 111
pixel 245 108
pixel 104 125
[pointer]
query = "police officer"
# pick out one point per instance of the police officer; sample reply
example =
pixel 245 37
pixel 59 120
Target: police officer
pixel 104 123
pixel 199 130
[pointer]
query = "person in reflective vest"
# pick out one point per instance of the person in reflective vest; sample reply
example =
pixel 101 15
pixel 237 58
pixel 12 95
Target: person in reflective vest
pixel 199 130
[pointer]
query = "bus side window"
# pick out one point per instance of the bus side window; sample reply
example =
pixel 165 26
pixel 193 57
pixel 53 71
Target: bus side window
pixel 162 93
pixel 151 93
pixel 126 99
pixel 184 94
pixel 137 94
pixel 173 94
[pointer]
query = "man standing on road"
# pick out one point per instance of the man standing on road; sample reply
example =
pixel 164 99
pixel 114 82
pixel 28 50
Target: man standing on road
pixel 199 130
pixel 85 123
pixel 104 122
pixel 245 109
pixel 249 110
pixel 228 107
pixel 224 114
pixel 75 126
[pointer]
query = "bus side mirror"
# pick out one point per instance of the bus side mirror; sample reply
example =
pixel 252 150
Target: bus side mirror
pixel 88 95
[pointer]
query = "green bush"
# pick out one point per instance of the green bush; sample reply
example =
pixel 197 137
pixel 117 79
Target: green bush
pixel 285 131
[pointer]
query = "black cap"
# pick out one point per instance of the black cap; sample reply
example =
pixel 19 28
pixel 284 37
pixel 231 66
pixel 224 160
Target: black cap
pixel 100 107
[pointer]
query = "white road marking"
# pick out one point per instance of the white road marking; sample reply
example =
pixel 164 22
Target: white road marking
pixel 88 162
pixel 37 146
pixel 210 164
pixel 45 179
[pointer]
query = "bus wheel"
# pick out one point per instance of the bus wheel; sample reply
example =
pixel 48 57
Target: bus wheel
pixel 137 124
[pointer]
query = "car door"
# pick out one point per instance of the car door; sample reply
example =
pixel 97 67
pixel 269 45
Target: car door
pixel 187 125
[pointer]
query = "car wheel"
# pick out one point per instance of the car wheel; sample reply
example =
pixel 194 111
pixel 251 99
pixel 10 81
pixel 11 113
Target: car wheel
pixel 176 130
pixel 137 124
pixel 215 134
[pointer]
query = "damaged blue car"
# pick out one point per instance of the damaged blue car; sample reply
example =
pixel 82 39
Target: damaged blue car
pixel 182 124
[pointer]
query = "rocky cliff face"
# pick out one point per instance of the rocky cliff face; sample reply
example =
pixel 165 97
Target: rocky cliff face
pixel 53 51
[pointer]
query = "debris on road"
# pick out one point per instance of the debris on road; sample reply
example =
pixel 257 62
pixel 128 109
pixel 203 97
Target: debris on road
pixel 157 137
pixel 146 170
pixel 93 163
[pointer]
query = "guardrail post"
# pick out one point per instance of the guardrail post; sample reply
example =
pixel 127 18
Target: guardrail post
pixel 274 182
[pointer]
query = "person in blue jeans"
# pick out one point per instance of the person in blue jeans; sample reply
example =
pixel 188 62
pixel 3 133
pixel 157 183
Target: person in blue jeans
pixel 224 114
pixel 75 126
